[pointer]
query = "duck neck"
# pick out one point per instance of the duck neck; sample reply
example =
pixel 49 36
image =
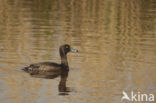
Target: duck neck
pixel 64 61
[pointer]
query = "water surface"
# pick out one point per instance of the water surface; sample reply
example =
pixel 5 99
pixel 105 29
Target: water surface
pixel 116 40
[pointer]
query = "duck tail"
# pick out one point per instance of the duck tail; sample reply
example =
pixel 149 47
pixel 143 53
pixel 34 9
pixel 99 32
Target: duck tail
pixel 26 69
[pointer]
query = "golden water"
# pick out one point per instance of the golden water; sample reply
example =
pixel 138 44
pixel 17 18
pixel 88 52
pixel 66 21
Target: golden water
pixel 116 40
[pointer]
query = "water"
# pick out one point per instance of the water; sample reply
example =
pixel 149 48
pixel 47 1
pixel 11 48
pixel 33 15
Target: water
pixel 116 40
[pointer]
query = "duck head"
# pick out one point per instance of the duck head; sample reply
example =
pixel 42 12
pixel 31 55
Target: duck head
pixel 66 48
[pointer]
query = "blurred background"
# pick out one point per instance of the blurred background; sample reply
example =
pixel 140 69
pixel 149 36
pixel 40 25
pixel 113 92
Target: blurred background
pixel 116 40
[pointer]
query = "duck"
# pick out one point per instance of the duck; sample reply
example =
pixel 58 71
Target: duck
pixel 51 69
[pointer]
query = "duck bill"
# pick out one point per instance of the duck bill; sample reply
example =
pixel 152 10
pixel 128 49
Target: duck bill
pixel 73 50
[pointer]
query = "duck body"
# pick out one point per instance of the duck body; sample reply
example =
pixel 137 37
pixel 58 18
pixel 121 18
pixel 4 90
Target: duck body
pixel 50 68
pixel 43 67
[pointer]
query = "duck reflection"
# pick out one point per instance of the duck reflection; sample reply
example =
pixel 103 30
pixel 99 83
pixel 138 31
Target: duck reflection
pixel 63 89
